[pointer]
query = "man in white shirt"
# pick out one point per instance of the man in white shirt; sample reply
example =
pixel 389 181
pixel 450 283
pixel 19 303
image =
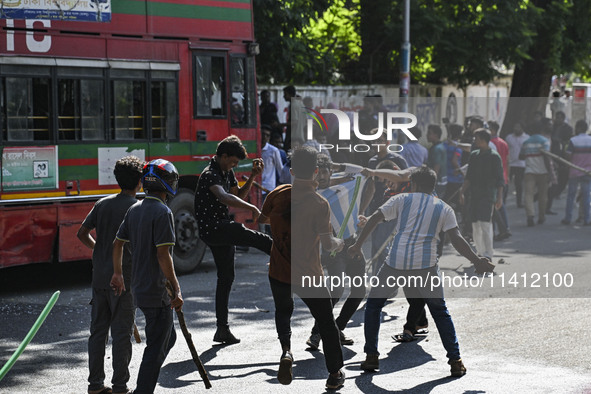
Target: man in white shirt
pixel 420 219
pixel 516 166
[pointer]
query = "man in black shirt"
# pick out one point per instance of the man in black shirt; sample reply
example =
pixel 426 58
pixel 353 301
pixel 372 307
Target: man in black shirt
pixel 217 190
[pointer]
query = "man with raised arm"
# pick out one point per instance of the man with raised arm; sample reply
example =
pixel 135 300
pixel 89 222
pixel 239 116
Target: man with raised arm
pixel 217 190
pixel 421 217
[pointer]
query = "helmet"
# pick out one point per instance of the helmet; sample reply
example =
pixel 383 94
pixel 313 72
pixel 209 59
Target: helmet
pixel 160 176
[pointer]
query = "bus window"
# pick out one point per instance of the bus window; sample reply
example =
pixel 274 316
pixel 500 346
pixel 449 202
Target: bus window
pixel 92 110
pixel 27 109
pixel 80 105
pixel 68 113
pixel 164 106
pixel 128 105
pixel 209 85
pixel 243 92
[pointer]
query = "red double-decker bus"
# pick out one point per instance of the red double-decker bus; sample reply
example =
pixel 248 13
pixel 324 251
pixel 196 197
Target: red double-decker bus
pixel 86 82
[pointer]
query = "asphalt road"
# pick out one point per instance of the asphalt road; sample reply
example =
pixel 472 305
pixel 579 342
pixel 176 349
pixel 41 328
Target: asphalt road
pixel 514 338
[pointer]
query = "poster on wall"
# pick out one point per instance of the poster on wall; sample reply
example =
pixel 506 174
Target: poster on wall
pixel 107 157
pixel 29 168
pixel 67 10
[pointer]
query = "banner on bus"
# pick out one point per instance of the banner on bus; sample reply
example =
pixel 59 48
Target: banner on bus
pixel 29 168
pixel 68 10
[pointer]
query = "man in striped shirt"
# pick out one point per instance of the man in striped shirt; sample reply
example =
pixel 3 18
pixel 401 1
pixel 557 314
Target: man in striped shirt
pixel 420 219
pixel 578 152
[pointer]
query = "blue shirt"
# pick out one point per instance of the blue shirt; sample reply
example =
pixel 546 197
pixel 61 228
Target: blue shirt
pixel 415 154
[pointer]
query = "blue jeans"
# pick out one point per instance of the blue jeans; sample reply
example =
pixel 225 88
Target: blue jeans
pixel 585 182
pixel 434 300
pixel 160 338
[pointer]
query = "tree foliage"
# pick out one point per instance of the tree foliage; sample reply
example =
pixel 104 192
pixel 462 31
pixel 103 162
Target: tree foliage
pixel 305 41
pixel 460 42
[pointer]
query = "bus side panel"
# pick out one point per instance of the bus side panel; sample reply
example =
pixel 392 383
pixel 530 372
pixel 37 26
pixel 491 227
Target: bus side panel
pixel 70 217
pixel 28 234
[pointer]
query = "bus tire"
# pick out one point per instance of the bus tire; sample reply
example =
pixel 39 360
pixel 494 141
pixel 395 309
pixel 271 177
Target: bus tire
pixel 189 248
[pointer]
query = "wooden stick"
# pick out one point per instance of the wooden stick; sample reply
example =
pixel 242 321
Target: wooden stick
pixel 136 334
pixel 257 184
pixel 566 162
pixel 181 317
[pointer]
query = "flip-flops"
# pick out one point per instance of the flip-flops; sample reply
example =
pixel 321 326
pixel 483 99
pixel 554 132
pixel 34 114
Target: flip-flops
pixel 404 337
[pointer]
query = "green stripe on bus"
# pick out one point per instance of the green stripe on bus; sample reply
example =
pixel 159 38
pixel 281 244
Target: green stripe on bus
pixel 131 7
pixel 78 173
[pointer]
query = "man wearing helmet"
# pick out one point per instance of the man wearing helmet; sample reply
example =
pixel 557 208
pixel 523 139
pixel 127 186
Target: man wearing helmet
pixel 149 228
pixel 217 190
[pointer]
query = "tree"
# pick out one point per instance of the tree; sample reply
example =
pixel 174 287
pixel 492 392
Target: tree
pixel 304 41
pixel 560 44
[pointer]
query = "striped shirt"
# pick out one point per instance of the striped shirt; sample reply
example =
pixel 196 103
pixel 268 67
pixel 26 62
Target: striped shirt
pixel 421 217
pixel 580 149
pixel 532 150
pixel 339 198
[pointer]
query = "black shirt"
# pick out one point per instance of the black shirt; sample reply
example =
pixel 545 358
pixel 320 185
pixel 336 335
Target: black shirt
pixel 148 225
pixel 208 209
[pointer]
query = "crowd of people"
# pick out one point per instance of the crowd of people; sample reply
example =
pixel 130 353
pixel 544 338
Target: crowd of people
pixel 316 215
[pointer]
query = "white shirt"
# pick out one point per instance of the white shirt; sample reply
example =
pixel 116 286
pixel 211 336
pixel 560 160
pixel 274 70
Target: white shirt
pixel 515 143
pixel 273 166
pixel 421 217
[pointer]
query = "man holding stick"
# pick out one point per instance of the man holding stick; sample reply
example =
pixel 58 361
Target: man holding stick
pixel 149 228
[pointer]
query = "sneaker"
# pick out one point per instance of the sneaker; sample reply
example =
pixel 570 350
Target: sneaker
pixel 457 368
pixel 530 221
pixel 224 335
pixel 371 363
pixel 345 340
pixel 285 374
pixel 502 236
pixel 314 341
pixel 334 383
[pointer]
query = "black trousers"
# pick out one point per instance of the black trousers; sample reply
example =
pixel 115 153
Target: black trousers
pixel 344 265
pixel 321 309
pixel 223 244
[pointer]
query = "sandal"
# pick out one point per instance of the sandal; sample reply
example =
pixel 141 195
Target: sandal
pixel 404 337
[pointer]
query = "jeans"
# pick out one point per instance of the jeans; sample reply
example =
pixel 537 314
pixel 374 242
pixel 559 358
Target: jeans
pixel 321 309
pixel 434 300
pixel 116 313
pixel 585 182
pixel 160 338
pixel 222 244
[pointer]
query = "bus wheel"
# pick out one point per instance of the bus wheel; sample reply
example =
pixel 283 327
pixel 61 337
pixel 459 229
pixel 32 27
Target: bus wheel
pixel 188 249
